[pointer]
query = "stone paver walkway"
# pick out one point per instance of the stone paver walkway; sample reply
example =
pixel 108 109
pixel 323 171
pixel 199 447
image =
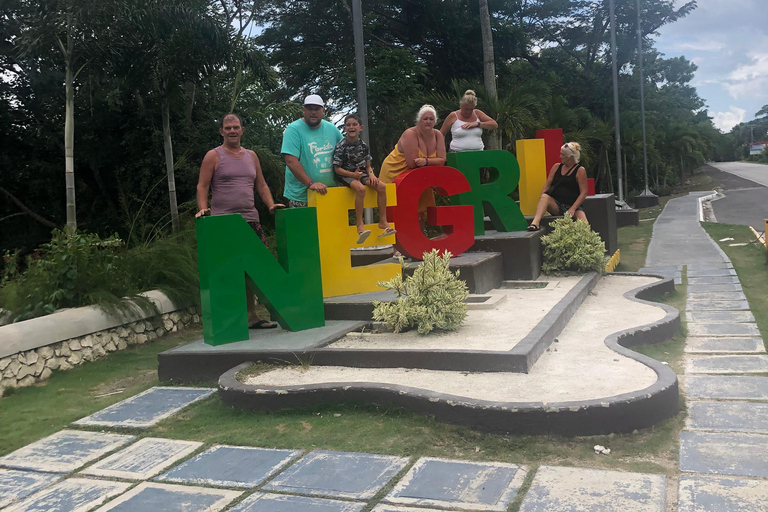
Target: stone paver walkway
pixel 723 449
pixel 726 431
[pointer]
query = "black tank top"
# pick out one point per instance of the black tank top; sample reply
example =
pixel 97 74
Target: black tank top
pixel 564 187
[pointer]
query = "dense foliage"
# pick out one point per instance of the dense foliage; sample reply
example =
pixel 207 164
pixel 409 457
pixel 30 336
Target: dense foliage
pixel 151 78
pixel 83 269
pixel 572 246
pixel 432 298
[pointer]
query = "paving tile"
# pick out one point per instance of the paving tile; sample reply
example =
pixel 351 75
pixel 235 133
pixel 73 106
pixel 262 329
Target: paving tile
pixel 339 474
pixel 717 305
pixel 724 453
pixel 15 484
pixel 709 494
pixel 710 272
pixel 151 497
pixel 702 345
pixel 71 495
pixel 260 502
pixel 713 265
pixel 757 363
pixel 716 296
pixel 65 451
pixel 719 317
pixel 143 459
pixel 726 387
pixel 713 280
pixel 728 416
pixel 458 484
pixel 576 489
pixel 231 466
pixel 697 329
pixel 698 288
pixel 146 409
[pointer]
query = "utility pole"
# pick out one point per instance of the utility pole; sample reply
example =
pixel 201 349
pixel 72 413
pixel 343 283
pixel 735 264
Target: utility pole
pixel 362 94
pixel 647 198
pixel 616 99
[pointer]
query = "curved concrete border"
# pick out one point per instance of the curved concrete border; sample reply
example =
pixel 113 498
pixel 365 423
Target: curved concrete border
pixel 620 413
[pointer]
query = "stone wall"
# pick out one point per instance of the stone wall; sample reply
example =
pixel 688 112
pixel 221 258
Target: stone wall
pixel 31 366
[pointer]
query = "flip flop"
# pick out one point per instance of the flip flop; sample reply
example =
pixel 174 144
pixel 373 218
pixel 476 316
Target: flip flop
pixel 533 227
pixel 263 324
pixel 387 232
pixel 363 236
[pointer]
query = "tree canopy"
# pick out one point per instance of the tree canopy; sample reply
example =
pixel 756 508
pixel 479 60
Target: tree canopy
pixel 145 65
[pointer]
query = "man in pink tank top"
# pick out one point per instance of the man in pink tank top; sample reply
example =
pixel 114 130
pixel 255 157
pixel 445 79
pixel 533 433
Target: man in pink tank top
pixel 231 173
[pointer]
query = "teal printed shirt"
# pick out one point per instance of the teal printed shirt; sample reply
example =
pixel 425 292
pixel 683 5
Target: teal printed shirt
pixel 314 149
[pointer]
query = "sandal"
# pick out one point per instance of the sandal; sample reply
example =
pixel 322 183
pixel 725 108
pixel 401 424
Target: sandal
pixel 363 236
pixel 388 232
pixel 262 324
pixel 533 227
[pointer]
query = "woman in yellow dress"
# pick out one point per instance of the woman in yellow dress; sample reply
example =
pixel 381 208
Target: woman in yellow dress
pixel 419 146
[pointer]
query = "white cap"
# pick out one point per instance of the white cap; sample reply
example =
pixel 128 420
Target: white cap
pixel 314 99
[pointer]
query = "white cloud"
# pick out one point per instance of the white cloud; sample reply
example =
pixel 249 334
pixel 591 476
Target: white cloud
pixel 757 69
pixel 727 120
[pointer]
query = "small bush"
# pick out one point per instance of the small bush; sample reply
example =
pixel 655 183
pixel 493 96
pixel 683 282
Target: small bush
pixel 432 298
pixel 573 246
pixel 84 269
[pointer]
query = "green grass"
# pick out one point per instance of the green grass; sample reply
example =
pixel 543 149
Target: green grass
pixel 750 264
pixel 34 412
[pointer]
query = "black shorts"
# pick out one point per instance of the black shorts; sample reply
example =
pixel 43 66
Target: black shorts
pixel 347 181
pixel 565 207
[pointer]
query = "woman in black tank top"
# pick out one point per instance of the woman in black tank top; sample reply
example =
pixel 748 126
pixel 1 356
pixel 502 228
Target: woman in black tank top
pixel 565 189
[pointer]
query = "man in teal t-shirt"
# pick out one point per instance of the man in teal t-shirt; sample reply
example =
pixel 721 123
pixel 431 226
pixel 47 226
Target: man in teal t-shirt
pixel 308 145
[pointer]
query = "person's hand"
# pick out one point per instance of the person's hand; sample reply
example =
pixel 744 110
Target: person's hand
pixel 276 206
pixel 203 212
pixel 420 162
pixel 373 181
pixel 572 212
pixel 467 126
pixel 319 188
pixel 357 174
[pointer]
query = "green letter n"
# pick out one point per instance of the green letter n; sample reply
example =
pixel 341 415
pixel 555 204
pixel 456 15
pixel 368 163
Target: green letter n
pixel 231 256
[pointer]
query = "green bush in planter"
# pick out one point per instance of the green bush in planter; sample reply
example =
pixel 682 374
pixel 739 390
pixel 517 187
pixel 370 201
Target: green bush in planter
pixel 432 298
pixel 572 246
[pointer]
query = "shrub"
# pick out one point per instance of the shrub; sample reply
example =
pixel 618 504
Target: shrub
pixel 432 298
pixel 83 269
pixel 572 245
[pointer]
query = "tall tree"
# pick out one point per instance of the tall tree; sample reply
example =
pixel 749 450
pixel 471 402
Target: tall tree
pixel 65 25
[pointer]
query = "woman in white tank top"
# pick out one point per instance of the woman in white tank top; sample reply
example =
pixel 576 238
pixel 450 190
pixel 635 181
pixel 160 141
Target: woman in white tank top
pixel 466 125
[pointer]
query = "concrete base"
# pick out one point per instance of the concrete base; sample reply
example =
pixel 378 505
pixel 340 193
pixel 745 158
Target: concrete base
pixel 369 256
pixel 601 213
pixel 646 200
pixel 482 271
pixel 627 218
pixel 520 252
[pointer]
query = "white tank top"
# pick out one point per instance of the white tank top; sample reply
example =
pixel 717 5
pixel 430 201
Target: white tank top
pixel 466 140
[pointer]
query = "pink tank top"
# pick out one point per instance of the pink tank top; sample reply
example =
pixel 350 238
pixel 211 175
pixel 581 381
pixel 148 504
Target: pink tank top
pixel 232 186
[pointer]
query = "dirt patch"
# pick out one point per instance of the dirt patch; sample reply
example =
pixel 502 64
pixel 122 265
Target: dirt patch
pixel 116 386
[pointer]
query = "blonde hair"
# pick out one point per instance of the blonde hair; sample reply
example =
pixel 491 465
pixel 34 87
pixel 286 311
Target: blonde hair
pixel 575 150
pixel 423 110
pixel 469 97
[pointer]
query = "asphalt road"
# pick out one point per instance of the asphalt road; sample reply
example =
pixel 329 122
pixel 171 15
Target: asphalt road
pixel 745 186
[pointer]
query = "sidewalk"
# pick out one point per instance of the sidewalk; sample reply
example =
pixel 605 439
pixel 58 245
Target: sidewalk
pixel 723 449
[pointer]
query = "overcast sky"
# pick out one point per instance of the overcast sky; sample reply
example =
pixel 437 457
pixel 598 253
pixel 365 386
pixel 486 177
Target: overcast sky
pixel 728 41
